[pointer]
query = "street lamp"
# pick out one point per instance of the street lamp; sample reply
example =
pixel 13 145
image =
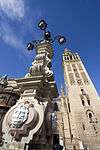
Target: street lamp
pixel 30 46
pixel 46 37
pixel 42 25
pixel 61 39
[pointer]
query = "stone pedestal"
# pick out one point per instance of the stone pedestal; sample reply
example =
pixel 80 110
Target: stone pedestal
pixel 27 125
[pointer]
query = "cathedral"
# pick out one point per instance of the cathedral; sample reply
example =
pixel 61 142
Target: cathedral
pixel 33 116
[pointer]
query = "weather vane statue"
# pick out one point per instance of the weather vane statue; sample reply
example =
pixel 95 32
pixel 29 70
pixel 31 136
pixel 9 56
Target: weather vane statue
pixel 28 124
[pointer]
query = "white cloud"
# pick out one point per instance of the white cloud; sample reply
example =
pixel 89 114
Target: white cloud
pixel 11 12
pixel 14 9
pixel 9 37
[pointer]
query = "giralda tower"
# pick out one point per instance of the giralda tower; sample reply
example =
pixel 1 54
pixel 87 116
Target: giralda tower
pixel 80 107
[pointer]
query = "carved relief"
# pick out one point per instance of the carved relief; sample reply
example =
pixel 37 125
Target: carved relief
pixel 68 67
pixel 41 66
pixel 80 66
pixel 19 116
pixel 85 79
pixel 22 118
pixel 79 81
pixel 71 77
pixel 74 67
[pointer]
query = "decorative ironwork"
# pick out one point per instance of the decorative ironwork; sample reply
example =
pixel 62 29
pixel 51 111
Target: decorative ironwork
pixel 46 37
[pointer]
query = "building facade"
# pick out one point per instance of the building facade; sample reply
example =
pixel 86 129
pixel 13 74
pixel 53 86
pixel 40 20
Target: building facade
pixel 34 117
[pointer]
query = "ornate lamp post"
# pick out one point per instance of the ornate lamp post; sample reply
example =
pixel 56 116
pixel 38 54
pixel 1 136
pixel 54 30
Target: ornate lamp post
pixel 46 37
pixel 29 122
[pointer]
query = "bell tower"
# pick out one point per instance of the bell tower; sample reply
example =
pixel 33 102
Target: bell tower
pixel 82 119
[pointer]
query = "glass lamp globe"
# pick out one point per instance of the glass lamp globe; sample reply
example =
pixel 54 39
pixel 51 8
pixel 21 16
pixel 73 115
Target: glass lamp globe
pixel 42 25
pixel 30 46
pixel 61 39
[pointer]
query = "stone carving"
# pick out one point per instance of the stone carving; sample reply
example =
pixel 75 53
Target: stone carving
pixel 3 81
pixel 85 79
pixel 41 65
pixel 19 116
pixel 23 119
pixel 71 77
pixel 79 81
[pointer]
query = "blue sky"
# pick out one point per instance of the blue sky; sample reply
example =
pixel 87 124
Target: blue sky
pixel 79 20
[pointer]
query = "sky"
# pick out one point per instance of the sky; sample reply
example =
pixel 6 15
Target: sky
pixel 77 20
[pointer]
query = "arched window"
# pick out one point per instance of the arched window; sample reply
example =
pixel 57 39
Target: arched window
pixel 90 115
pixel 88 99
pixel 77 57
pixel 92 119
pixel 83 92
pixel 71 57
pixel 83 102
pixel 83 126
pixel 88 102
pixel 69 107
pixel 67 57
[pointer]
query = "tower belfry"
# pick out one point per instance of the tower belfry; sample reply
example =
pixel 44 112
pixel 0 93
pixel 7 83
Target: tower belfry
pixel 82 104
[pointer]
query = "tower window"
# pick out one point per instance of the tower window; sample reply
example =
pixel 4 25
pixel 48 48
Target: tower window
pixel 83 126
pixel 70 57
pixel 74 147
pixel 90 115
pixel 74 67
pixel 76 57
pixel 67 58
pixel 82 99
pixel 83 103
pixel 69 107
pixel 83 92
pixel 88 102
pixel 84 77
